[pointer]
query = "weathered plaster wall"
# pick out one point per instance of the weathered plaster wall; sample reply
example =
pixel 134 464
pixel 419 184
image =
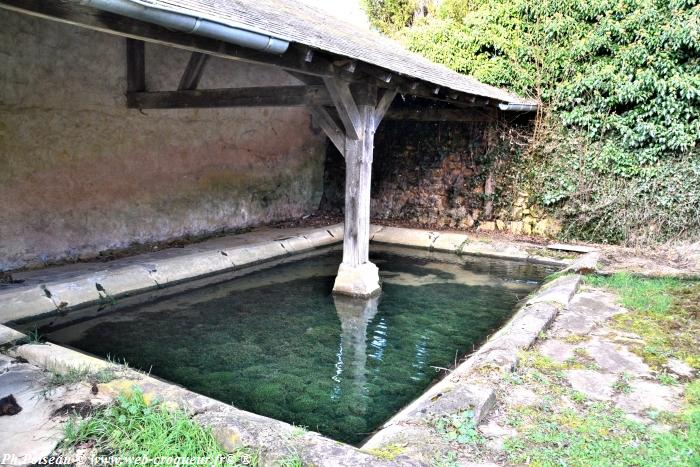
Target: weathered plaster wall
pixel 80 173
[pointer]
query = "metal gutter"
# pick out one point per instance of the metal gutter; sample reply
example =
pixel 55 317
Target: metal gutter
pixel 190 24
pixel 518 107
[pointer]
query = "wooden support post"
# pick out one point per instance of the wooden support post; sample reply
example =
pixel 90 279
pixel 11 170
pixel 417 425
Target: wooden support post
pixel 360 112
pixel 135 65
pixel 358 172
pixel 357 276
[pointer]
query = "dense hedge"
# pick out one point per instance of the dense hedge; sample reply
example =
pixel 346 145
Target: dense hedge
pixel 618 155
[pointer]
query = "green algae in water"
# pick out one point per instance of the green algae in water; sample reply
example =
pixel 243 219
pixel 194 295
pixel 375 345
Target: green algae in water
pixel 277 343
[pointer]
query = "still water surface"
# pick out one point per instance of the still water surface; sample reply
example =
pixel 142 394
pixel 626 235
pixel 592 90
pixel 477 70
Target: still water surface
pixel 277 343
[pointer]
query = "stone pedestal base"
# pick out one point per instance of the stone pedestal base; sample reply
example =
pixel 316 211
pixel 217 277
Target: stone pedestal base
pixel 358 281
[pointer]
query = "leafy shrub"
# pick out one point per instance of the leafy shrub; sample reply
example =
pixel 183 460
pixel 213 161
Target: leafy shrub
pixel 390 16
pixel 616 154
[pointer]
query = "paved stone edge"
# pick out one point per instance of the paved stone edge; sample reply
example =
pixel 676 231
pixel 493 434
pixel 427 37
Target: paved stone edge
pixel 465 388
pixel 458 243
pixel 9 336
pixel 232 427
pixel 108 284
pixel 105 285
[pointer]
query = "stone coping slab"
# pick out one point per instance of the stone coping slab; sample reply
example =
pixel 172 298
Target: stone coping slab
pixel 78 285
pixel 468 387
pixel 459 243
pixel 67 287
pixel 9 336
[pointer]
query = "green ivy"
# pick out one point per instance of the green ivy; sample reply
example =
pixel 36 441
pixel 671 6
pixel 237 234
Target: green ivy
pixel 620 85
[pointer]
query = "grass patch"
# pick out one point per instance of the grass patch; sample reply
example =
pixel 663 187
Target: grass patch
pixel 460 427
pixel 556 275
pixel 298 431
pixel 132 428
pixel 388 452
pixel 79 375
pixel 576 338
pixel 667 379
pixel 665 313
pixel 542 363
pixel 447 460
pixel 292 460
pixel 34 337
pixel 692 393
pixel 640 294
pixel 581 360
pixel 601 435
pixel 622 384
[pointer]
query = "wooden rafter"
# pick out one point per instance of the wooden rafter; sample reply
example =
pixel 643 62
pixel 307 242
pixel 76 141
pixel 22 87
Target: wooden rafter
pixel 312 67
pixel 306 79
pixel 441 115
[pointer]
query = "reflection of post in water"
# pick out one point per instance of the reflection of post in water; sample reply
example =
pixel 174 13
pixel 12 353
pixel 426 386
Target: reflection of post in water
pixel 354 314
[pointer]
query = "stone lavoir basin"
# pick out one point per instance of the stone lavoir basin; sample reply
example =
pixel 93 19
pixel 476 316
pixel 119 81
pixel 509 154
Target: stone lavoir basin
pixel 276 342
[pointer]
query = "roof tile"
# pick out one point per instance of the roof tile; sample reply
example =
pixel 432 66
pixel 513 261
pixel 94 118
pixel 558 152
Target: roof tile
pixel 296 21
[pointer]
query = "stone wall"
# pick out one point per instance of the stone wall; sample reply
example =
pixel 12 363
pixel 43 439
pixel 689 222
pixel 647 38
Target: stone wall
pixel 441 175
pixel 524 217
pixel 79 172
pixel 430 173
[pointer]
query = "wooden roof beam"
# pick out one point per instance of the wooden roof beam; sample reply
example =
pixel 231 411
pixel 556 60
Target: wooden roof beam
pixel 258 96
pixel 443 115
